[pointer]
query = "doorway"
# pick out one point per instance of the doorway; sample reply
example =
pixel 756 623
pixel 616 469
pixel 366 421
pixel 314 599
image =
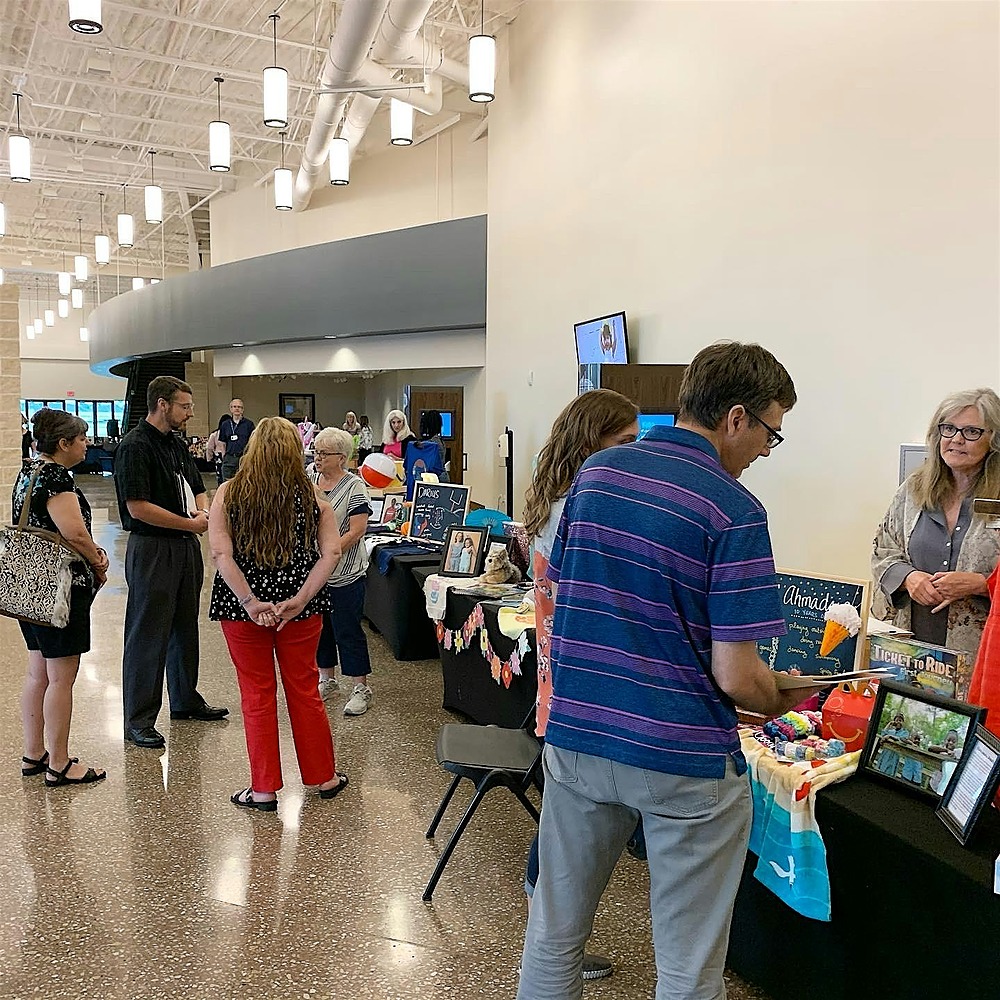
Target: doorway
pixel 449 401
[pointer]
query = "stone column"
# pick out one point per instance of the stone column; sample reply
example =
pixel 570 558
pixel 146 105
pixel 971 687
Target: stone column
pixel 10 394
pixel 196 374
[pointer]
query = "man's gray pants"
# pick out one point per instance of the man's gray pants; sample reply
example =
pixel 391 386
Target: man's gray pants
pixel 696 830
pixel 164 577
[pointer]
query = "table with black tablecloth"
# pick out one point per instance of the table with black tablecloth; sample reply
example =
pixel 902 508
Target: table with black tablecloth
pixel 469 686
pixel 394 605
pixel 914 913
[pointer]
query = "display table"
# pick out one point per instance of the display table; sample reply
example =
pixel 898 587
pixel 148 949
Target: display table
pixel 914 914
pixel 469 685
pixel 394 605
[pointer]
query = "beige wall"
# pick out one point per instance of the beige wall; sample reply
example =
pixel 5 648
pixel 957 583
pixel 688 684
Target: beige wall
pixel 335 395
pixel 442 178
pixel 818 177
pixel 52 378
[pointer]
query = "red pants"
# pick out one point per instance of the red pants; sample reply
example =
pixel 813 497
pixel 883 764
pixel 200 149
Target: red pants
pixel 254 650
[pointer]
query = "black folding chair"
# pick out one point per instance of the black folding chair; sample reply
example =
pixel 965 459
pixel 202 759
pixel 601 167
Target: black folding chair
pixel 490 757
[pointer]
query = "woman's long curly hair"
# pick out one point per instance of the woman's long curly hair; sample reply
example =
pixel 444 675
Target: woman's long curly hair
pixel 260 500
pixel 575 436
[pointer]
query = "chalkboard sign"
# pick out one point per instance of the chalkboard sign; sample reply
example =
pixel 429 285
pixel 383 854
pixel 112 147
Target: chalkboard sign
pixel 436 508
pixel 804 599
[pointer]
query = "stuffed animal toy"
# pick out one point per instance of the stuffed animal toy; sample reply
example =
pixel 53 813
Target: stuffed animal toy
pixel 499 568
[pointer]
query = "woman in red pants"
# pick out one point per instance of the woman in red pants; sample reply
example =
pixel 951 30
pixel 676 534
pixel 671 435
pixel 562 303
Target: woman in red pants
pixel 275 544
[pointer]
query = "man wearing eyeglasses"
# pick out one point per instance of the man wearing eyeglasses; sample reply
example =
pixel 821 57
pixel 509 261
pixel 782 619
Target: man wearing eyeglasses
pixel 664 583
pixel 163 506
pixel 234 432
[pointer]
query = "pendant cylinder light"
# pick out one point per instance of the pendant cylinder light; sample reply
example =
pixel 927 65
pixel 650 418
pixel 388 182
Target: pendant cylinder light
pixel 19 150
pixel 3 219
pixel 482 68
pixel 219 137
pixel 102 243
pixel 76 297
pixel 29 331
pixel 80 260
pixel 50 317
pixel 84 334
pixel 340 162
pixel 85 16
pixel 283 183
pixel 65 282
pixel 400 123
pixel 38 326
pixel 63 307
pixel 126 227
pixel 154 196
pixel 138 283
pixel 1 275
pixel 275 87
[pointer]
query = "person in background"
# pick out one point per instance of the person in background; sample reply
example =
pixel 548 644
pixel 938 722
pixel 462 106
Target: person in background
pixel 161 498
pixel 215 451
pixel 932 554
pixel 664 583
pixel 342 632
pixel 25 440
pixel 366 439
pixel 353 428
pixel 234 431
pixel 56 504
pixel 396 435
pixel 596 420
pixel 430 430
pixel 275 544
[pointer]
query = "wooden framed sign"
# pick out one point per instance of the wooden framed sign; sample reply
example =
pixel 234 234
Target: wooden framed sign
pixel 436 508
pixel 805 599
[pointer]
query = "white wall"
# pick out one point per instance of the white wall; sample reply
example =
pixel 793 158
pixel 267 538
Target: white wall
pixel 55 379
pixel 820 178
pixel 403 186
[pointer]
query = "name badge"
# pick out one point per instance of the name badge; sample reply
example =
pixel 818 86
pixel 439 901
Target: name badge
pixel 234 437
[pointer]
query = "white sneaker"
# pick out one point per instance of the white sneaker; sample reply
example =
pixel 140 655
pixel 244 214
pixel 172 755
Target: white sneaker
pixel 328 688
pixel 361 698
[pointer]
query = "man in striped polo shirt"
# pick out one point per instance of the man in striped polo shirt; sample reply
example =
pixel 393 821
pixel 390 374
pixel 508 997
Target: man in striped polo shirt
pixel 664 583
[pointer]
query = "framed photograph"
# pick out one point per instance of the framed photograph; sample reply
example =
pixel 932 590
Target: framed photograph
pixel 917 740
pixel 391 506
pixel 464 551
pixel 297 406
pixel 972 786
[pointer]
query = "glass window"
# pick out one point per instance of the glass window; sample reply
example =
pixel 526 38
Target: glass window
pixel 120 411
pixel 34 405
pixel 85 411
pixel 56 404
pixel 71 405
pixel 104 412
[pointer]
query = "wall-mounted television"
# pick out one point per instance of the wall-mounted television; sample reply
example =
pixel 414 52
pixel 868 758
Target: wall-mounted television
pixel 447 423
pixel 647 421
pixel 602 341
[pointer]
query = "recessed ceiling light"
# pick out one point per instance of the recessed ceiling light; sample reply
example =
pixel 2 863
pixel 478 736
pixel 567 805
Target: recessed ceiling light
pixel 331 336
pixel 237 345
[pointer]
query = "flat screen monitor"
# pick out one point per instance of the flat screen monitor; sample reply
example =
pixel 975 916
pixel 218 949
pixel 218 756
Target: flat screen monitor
pixel 447 423
pixel 602 341
pixel 649 420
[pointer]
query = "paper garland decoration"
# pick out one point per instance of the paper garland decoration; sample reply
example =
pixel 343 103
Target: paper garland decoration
pixel 502 671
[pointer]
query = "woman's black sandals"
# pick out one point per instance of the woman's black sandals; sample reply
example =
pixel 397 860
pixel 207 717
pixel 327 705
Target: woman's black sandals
pixel 56 778
pixel 332 793
pixel 245 798
pixel 33 767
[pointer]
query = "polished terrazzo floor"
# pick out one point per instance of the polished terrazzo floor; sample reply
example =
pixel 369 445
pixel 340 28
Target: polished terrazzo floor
pixel 151 884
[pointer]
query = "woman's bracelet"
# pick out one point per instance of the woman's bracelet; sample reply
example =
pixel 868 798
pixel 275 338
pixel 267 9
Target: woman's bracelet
pixel 246 600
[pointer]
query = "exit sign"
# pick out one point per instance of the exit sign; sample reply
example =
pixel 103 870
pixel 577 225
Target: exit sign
pixel 70 393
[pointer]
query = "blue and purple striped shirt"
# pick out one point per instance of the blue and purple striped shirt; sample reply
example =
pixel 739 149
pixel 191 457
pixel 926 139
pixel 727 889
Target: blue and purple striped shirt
pixel 659 552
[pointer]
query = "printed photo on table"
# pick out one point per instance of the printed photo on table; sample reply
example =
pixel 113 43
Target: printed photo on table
pixel 916 739
pixel 464 550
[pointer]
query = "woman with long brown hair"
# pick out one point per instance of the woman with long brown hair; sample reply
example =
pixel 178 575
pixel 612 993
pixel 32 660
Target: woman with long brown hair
pixel 592 422
pixel 275 543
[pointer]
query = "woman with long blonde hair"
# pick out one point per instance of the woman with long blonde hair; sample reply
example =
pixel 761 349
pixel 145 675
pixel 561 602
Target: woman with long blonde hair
pixel 396 434
pixel 275 543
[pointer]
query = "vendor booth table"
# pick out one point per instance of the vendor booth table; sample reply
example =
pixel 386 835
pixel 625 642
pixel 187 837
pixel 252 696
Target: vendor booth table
pixel 914 913
pixel 469 683
pixel 394 604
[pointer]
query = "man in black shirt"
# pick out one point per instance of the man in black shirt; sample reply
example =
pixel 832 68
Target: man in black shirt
pixel 234 433
pixel 163 506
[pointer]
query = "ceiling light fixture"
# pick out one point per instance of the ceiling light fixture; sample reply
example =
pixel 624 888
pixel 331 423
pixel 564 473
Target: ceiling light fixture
pixel 63 306
pixel 400 123
pixel 85 16
pixel 80 260
pixel 1 275
pixel 482 62
pixel 37 324
pixel 76 297
pixel 137 283
pixel 283 183
pixel 219 137
pixel 50 317
pixel 19 150
pixel 126 227
pixel 275 85
pixel 65 279
pixel 3 219
pixel 84 334
pixel 154 196
pixel 340 162
pixel 102 242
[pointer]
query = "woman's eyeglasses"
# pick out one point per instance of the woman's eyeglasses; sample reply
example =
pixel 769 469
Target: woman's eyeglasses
pixel 970 433
pixel 327 454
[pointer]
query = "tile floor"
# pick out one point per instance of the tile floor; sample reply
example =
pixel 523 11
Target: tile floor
pixel 151 884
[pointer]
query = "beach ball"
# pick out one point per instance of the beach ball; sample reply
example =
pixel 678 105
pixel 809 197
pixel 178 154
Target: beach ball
pixel 378 471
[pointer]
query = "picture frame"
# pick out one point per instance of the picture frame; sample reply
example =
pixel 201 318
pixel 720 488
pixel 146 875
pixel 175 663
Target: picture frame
pixel 464 551
pixel 437 507
pixel 297 406
pixel 916 739
pixel 972 786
